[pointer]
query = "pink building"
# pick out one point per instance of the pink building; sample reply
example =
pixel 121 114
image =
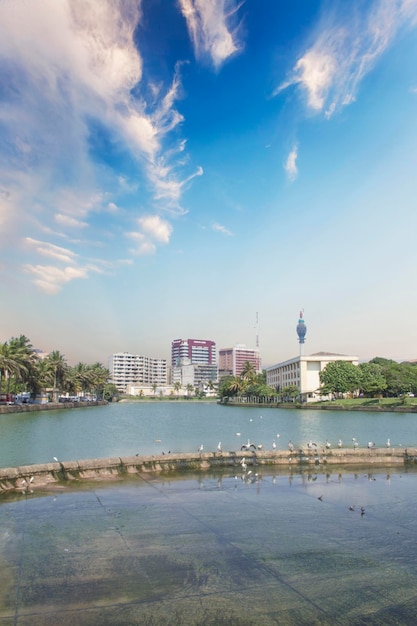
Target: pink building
pixel 232 360
pixel 200 351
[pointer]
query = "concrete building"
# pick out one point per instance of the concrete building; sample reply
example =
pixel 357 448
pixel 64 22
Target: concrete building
pixel 232 360
pixel 128 369
pixel 303 372
pixel 201 351
pixel 195 374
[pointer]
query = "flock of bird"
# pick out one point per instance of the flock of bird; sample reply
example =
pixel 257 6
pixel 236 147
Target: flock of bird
pixel 311 445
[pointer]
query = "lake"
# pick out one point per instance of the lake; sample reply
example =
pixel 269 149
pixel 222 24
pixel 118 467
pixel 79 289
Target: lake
pixel 129 428
pixel 291 547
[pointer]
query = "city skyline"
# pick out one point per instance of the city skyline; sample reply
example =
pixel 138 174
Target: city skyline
pixel 198 169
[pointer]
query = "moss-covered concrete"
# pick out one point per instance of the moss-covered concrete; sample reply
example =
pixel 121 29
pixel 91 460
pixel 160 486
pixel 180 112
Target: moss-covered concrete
pixel 29 477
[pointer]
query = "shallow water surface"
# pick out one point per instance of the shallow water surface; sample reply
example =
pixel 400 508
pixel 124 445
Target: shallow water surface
pixel 124 429
pixel 213 549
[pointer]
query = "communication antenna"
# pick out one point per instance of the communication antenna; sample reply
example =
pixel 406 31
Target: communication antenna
pixel 257 330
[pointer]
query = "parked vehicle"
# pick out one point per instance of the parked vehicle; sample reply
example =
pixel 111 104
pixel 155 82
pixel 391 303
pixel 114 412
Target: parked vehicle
pixel 6 398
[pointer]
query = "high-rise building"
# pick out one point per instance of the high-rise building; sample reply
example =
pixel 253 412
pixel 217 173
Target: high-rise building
pixel 232 360
pixel 201 351
pixel 132 369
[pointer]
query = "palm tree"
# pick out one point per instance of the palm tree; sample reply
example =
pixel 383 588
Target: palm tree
pixel 9 366
pixel 189 389
pixel 248 374
pixel 177 387
pixel 97 376
pixel 235 386
pixel 58 366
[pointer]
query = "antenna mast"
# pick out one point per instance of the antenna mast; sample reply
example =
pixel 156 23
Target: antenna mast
pixel 257 330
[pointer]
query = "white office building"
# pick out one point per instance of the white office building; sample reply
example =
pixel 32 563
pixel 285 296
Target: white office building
pixel 304 373
pixel 128 369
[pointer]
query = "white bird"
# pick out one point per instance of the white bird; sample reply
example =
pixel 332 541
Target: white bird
pixel 243 463
pixel 277 435
pixel 355 444
pixel 237 434
pixel 371 444
pixel 201 448
pixel 55 459
pixel 339 443
pixel 219 446
pixel 388 443
pixel 290 445
pixel 328 444
pixel 274 445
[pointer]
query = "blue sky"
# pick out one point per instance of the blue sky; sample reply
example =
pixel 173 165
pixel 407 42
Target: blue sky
pixel 181 168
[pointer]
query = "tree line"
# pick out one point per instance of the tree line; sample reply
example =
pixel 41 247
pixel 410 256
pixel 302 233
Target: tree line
pixel 22 370
pixel 378 377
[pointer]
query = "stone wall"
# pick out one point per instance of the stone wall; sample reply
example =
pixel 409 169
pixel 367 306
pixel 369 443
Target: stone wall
pixel 59 474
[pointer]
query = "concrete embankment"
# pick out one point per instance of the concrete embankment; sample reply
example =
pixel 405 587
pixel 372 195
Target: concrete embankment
pixel 50 406
pixel 60 474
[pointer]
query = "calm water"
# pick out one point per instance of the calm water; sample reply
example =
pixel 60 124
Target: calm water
pixel 152 427
pixel 208 549
pixel 211 550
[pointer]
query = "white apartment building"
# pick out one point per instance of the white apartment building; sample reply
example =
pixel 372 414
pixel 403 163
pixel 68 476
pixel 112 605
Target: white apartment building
pixel 128 369
pixel 195 374
pixel 304 373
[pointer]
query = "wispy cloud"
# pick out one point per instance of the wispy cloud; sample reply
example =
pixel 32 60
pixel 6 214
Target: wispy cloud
pixel 208 23
pixel 152 230
pixel 222 229
pixel 290 165
pixel 51 279
pixel 50 250
pixel 67 220
pixel 346 48
pixel 72 71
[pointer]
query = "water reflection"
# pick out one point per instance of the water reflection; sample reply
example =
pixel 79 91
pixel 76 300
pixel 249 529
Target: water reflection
pixel 211 548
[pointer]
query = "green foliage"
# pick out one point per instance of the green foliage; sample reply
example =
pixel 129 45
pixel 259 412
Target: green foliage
pixel 371 379
pixel 21 369
pixel 339 377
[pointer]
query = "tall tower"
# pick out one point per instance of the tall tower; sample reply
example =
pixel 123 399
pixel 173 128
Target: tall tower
pixel 301 332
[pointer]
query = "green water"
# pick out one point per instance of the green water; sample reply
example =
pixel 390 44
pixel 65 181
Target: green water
pixel 213 549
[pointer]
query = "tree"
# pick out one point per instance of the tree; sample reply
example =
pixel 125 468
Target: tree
pixel 371 379
pixel 339 377
pixel 9 366
pixel 177 387
pixel 189 388
pixel 56 363
pixel 401 378
pixel 248 373
pixel 291 392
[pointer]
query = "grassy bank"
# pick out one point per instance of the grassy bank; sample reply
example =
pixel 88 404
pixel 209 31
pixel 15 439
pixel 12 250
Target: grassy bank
pixel 369 403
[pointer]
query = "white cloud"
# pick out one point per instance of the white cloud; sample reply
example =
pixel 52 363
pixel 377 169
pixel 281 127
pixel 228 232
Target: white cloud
pixel 290 165
pixel 222 229
pixel 51 250
pixel 72 70
pixel 345 50
pixel 51 279
pixel 155 227
pixel 153 230
pixel 207 22
pixel 67 220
